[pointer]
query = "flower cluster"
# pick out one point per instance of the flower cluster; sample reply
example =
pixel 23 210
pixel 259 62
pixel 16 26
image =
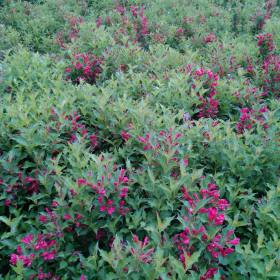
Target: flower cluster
pixel 73 127
pixel 271 74
pixel 109 201
pixel 125 135
pixel 265 44
pixel 163 139
pixel 135 26
pixel 249 117
pixel 209 105
pixel 100 21
pixel 140 22
pixel 203 216
pixel 35 248
pixel 74 29
pixel 261 17
pixel 245 121
pixel 84 67
pixel 140 250
pixel 22 186
pixel 74 23
pixel 210 38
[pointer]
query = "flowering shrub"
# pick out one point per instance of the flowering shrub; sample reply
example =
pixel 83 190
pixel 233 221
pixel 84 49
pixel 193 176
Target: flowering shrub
pixel 74 25
pixel 43 245
pixel 84 67
pixel 68 220
pixel 203 234
pixel 265 43
pixel 135 25
pixel 271 70
pixel 208 107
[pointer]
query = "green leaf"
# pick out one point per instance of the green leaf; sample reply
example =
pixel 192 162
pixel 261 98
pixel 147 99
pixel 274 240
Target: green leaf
pixel 192 259
pixel 162 225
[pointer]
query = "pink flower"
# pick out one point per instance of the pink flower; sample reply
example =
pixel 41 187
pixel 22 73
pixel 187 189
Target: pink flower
pixel 123 192
pixel 27 239
pixel 223 204
pixel 55 203
pixel 234 241
pixel 122 203
pixel 186 240
pixel 78 66
pixel 109 202
pixel 186 161
pixel 13 259
pixel 227 251
pixel 209 273
pixel 219 219
pixel 180 31
pixel 211 186
pixel 212 213
pixel 142 139
pixel 120 10
pixel 78 216
pixel 73 138
pixel 67 217
pixel 125 136
pixel 263 109
pixel 99 22
pixel 27 260
pixel 135 238
pixel 49 255
pixel 102 191
pixel 210 74
pixel 93 140
pixel 19 250
pixel 43 219
pixel 134 10
pixel 211 37
pixel 144 29
pixel 7 202
pixel 199 72
pixel 145 242
pixel 111 210
pixel 81 182
pixel 87 70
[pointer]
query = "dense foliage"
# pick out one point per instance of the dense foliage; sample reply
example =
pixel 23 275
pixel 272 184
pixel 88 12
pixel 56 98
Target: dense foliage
pixel 140 139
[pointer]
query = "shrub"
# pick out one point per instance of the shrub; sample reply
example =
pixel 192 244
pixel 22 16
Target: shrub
pixel 84 67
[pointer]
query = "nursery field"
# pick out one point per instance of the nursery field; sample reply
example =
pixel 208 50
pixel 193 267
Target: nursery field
pixel 140 139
